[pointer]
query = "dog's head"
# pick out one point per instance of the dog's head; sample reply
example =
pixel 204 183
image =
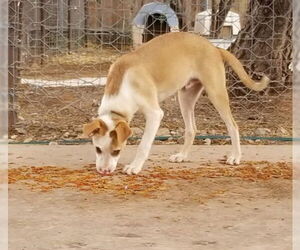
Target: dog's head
pixel 109 140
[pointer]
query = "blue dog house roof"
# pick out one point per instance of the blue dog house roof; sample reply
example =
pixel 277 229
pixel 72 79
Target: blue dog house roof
pixel 156 8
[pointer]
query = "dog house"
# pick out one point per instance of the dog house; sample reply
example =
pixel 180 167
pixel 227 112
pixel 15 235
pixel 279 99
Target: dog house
pixel 152 20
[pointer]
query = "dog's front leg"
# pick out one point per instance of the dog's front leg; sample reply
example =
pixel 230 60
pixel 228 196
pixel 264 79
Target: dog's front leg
pixel 153 119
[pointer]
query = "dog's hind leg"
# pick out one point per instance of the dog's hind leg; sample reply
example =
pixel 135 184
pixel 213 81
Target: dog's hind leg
pixel 217 94
pixel 188 97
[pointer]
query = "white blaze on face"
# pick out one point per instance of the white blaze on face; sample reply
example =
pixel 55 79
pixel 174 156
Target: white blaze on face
pixel 106 157
pixel 108 137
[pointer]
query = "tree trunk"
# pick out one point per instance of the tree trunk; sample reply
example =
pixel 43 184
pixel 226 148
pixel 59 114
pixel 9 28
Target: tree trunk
pixel 218 17
pixel 177 6
pixel 213 18
pixel 264 45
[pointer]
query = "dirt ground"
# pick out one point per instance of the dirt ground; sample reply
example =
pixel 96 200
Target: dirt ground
pixel 54 113
pixel 93 61
pixel 200 204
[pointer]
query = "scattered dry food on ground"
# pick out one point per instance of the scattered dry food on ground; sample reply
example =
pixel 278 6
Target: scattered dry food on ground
pixel 152 180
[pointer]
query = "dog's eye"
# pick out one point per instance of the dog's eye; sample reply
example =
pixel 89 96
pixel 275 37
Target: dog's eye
pixel 115 152
pixel 98 150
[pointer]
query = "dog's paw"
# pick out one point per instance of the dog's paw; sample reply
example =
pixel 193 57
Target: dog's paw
pixel 177 158
pixel 233 160
pixel 131 169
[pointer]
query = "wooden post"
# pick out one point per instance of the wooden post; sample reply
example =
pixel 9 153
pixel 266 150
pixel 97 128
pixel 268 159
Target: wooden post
pixel 20 26
pixel 42 30
pixel 85 22
pixel 13 56
pixel 69 25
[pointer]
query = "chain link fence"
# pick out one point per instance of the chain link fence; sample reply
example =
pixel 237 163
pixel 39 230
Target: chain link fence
pixel 60 52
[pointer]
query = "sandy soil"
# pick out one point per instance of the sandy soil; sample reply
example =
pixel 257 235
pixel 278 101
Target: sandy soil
pixel 193 213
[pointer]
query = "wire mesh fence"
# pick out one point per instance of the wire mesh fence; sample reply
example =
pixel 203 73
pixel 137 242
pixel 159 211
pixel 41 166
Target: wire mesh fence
pixel 60 52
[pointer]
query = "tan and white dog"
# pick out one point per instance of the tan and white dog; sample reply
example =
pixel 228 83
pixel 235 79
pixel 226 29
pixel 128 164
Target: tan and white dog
pixel 175 62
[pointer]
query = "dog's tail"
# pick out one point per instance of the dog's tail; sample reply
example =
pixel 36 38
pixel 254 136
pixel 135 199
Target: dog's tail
pixel 239 70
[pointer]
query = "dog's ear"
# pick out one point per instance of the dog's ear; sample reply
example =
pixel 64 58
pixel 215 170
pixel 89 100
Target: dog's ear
pixel 120 134
pixel 96 127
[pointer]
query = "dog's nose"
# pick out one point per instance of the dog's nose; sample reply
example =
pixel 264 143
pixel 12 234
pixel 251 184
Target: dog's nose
pixel 104 171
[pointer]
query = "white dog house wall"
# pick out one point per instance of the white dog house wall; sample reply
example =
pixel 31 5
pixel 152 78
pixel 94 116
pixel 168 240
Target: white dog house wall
pixel 153 19
pixel 229 31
